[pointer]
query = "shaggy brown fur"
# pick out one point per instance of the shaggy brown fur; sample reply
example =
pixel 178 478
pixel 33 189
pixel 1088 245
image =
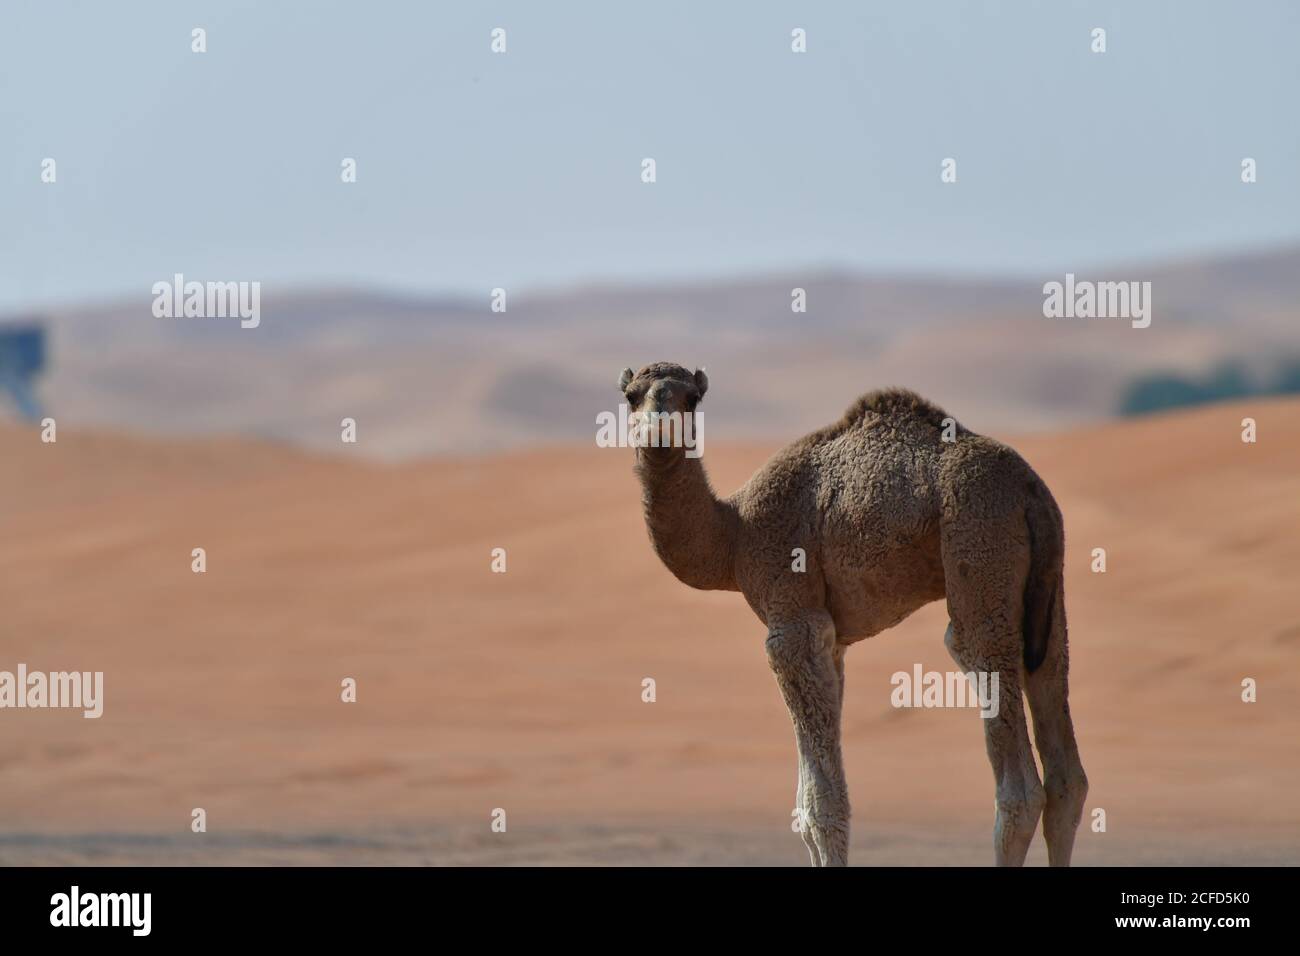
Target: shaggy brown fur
pixel 895 506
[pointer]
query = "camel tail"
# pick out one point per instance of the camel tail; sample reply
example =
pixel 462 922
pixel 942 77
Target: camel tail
pixel 1046 573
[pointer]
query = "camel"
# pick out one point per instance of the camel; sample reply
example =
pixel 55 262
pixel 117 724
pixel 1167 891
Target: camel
pixel 895 505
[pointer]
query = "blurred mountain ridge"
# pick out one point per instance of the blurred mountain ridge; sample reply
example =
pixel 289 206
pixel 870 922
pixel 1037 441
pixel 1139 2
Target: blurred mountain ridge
pixel 439 374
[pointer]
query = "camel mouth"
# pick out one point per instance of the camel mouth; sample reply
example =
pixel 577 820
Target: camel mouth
pixel 651 428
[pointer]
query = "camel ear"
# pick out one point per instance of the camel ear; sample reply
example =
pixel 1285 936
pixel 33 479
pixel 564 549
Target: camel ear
pixel 624 379
pixel 701 381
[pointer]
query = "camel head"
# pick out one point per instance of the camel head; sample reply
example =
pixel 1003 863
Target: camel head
pixel 663 389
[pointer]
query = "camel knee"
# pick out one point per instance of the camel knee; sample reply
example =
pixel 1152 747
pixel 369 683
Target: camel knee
pixel 826 801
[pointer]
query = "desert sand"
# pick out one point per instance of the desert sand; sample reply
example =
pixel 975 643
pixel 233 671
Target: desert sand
pixel 522 691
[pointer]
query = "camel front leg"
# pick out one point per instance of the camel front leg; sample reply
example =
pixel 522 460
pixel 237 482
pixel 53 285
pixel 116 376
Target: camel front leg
pixel 801 650
pixel 801 808
pixel 800 801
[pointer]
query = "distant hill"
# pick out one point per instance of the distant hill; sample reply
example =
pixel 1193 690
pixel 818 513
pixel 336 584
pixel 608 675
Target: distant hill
pixel 1162 391
pixel 429 375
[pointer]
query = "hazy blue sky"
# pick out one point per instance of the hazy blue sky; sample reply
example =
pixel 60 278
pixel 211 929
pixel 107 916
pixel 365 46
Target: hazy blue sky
pixel 522 169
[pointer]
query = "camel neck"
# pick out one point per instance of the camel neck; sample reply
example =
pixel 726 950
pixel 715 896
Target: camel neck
pixel 693 532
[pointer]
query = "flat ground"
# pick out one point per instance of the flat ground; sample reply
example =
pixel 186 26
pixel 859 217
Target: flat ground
pixel 522 690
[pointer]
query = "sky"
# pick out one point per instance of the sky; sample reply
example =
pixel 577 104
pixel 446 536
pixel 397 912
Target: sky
pixel 523 170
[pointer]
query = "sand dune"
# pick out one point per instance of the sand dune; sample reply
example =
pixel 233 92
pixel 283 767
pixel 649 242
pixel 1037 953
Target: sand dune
pixel 522 690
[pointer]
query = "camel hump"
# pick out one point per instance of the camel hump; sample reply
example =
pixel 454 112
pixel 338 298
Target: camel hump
pixel 897 404
pixel 896 411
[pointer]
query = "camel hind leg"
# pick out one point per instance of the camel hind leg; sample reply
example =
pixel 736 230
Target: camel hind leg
pixel 1047 689
pixel 986 561
pixel 1019 795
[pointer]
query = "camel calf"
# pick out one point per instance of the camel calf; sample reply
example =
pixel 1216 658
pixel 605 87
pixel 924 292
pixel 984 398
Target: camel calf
pixel 895 506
